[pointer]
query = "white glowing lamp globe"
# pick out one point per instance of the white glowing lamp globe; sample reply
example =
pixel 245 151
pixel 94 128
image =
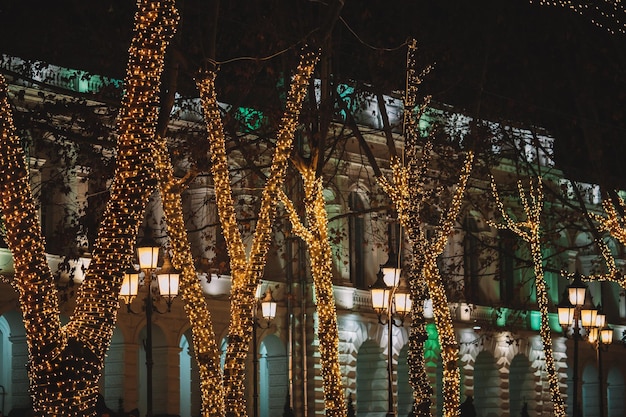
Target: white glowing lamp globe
pixel 577 291
pixel 588 317
pixel 148 254
pixel 566 312
pixel 268 309
pixel 391 276
pixel 169 283
pixel 600 320
pixel 130 285
pixel 402 302
pixel 606 336
pixel 379 293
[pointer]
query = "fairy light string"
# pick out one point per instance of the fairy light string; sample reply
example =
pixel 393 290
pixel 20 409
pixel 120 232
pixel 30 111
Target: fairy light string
pixel 315 235
pixel 205 346
pixel 33 278
pixel 246 271
pixel 410 193
pixel 615 225
pixel 418 375
pixel 405 187
pixel 530 231
pixel 65 363
pixel 608 14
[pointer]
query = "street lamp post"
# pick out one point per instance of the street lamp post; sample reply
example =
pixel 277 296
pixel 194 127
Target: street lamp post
pixel 268 313
pixel 571 314
pixel 389 299
pixel 167 284
pixel 601 338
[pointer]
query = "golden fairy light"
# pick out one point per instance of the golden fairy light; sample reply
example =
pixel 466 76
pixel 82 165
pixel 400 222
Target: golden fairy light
pixel 407 192
pixel 615 225
pixel 608 14
pixel 65 363
pixel 205 346
pixel 410 193
pixel 246 271
pixel 315 235
pixel 529 230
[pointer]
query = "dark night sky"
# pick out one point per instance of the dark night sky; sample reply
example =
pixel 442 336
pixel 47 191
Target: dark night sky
pixel 498 59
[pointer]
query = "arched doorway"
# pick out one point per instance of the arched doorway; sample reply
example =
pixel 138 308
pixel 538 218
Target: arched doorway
pixel 615 404
pixel 273 377
pixel 6 367
pixel 371 380
pixel 486 385
pixel 190 401
pixel 521 385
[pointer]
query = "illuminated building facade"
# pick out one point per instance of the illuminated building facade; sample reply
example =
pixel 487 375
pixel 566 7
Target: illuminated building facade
pixel 493 301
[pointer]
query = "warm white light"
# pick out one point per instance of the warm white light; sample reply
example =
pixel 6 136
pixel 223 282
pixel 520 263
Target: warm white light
pixel 577 291
pixel 130 285
pixel 268 309
pixel 148 254
pixel 379 293
pixel 588 317
pixel 168 284
pixel 402 302
pixel 391 276
pixel 592 335
pixel 600 320
pixel 566 312
pixel 606 336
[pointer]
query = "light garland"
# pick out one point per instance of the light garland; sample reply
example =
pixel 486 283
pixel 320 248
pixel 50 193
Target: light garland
pixel 615 225
pixel 529 230
pixel 410 215
pixel 612 15
pixel 205 346
pixel 247 272
pixel 65 363
pixel 405 192
pixel 315 235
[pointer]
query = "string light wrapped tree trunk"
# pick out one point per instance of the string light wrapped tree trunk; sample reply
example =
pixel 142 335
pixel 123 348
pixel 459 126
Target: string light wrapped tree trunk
pixel 418 376
pixel 315 235
pixel 246 271
pixel 530 231
pixel 65 363
pixel 205 346
pixel 411 192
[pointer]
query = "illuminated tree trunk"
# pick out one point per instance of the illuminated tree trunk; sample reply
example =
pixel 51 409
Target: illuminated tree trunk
pixel 418 377
pixel 65 363
pixel 409 193
pixel 530 232
pixel 315 235
pixel 205 346
pixel 247 271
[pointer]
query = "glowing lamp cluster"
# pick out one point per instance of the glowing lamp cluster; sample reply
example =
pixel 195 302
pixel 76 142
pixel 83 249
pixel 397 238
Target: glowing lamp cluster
pixel 168 277
pixel 573 313
pixel 388 290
